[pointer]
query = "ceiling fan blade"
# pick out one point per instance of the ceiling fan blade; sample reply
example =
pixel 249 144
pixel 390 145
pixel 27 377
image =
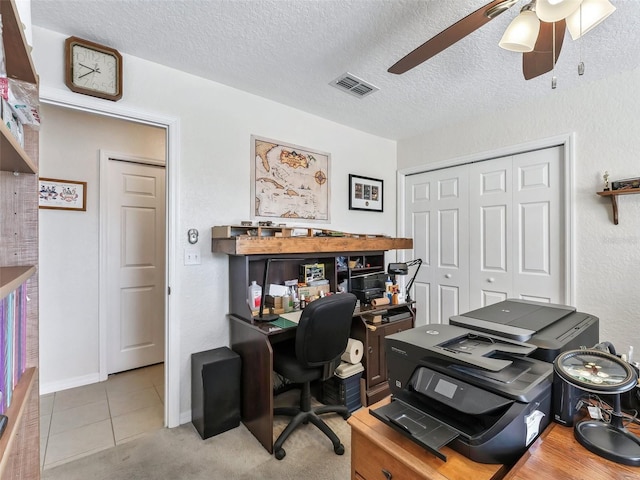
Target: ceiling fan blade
pixel 540 60
pixel 451 35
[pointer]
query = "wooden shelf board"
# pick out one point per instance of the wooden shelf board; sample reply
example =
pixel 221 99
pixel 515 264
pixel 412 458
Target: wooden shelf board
pixel 12 277
pixel 14 414
pixel 13 158
pixel 609 193
pixel 613 195
pixel 287 245
pixel 19 63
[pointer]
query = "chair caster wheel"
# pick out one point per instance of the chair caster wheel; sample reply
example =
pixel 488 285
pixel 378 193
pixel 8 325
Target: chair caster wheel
pixel 280 454
pixel 339 449
pixel 346 415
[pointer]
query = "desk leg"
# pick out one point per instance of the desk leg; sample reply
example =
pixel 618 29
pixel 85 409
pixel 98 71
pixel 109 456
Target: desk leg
pixel 257 382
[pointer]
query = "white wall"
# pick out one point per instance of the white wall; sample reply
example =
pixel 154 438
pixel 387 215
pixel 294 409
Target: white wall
pixel 216 123
pixel 69 149
pixel 604 117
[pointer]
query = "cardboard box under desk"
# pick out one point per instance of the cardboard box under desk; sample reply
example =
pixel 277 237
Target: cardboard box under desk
pixel 311 292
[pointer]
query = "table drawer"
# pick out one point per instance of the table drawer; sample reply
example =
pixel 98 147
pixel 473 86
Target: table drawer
pixel 370 462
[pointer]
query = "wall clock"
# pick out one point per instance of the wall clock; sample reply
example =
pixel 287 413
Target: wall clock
pixel 93 69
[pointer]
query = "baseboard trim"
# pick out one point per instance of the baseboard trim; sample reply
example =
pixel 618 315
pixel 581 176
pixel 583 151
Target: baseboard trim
pixel 185 417
pixel 52 387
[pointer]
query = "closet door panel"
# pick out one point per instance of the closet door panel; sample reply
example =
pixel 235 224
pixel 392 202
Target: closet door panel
pixel 537 198
pixel 490 230
pixel 437 206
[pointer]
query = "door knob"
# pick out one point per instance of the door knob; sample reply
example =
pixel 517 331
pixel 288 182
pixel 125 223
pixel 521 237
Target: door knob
pixel 448 275
pixel 491 279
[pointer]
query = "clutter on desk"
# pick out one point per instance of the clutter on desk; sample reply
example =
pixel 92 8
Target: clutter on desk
pixel 311 272
pixel 268 229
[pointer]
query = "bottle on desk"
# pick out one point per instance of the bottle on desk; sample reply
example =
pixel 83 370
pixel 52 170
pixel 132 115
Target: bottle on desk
pixel 287 301
pixel 388 286
pixel 303 302
pixel 254 295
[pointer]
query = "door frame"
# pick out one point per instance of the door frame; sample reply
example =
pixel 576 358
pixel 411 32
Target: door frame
pixel 171 125
pixel 567 141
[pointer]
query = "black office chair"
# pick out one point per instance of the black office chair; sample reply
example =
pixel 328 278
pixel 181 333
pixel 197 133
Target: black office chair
pixel 321 338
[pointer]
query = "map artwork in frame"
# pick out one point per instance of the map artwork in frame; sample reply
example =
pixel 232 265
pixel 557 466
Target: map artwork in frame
pixel 289 182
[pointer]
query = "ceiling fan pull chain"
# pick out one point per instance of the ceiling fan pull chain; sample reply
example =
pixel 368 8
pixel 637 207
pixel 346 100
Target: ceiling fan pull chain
pixel 554 80
pixel 580 63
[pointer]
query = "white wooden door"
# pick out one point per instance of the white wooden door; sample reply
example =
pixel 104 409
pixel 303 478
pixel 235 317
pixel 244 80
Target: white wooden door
pixel 487 231
pixel 538 226
pixel 437 218
pixel 490 225
pixel 136 269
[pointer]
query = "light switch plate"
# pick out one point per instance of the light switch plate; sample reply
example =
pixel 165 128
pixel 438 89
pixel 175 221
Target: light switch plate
pixel 192 256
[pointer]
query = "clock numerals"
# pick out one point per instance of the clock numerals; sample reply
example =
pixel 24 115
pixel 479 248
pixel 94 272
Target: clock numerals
pixel 93 68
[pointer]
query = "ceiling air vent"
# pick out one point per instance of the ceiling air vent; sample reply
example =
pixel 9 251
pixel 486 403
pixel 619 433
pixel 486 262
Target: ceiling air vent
pixel 353 85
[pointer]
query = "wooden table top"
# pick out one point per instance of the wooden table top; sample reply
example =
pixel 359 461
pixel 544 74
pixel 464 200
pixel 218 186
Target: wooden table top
pixel 557 455
pixel 457 466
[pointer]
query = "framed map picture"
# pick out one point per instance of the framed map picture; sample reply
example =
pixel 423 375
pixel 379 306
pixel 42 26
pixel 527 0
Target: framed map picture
pixel 365 193
pixel 62 194
pixel 289 182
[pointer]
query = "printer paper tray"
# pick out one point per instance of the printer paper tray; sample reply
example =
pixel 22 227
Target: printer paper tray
pixel 419 427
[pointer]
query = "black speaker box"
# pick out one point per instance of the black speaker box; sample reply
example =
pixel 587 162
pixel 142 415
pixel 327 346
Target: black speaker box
pixel 215 391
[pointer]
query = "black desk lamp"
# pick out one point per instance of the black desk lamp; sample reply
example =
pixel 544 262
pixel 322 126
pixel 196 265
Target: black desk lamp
pixel 265 317
pixel 403 269
pixel 269 317
pixel 599 372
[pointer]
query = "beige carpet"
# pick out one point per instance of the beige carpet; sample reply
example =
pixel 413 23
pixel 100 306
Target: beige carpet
pixel 180 453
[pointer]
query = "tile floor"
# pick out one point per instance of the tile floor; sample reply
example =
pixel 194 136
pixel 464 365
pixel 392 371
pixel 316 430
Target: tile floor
pixel 80 421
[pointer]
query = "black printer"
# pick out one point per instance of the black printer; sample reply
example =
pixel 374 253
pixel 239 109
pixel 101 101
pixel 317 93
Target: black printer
pixel 475 384
pixel 552 328
pixel 476 392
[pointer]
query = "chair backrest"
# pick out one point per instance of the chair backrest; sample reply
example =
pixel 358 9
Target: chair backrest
pixel 323 329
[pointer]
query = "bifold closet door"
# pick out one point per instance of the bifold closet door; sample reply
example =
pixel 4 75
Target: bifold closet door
pixel 487 231
pixel 436 209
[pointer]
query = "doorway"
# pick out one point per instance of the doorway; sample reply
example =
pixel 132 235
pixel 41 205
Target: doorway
pixel 171 128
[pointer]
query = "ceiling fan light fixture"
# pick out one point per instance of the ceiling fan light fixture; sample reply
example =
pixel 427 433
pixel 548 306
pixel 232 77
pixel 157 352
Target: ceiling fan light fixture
pixel 522 32
pixel 502 7
pixel 555 10
pixel 590 14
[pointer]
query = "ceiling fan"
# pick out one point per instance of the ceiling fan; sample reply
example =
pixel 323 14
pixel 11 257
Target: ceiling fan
pixel 538 31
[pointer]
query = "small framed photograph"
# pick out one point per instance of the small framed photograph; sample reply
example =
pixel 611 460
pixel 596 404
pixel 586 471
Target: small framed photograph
pixel 62 194
pixel 365 193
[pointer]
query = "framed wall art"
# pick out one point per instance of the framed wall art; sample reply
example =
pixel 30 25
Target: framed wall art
pixel 365 193
pixel 62 194
pixel 289 182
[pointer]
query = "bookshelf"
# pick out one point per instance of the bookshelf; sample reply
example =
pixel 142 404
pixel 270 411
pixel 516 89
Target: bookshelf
pixel 20 442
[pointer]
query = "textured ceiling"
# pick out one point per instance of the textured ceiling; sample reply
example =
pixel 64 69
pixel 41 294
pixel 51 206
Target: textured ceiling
pixel 290 50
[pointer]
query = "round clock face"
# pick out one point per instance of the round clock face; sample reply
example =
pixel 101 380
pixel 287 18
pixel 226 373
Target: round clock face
pixel 95 70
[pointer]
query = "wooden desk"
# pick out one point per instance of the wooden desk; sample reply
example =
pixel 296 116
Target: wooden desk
pixel 377 448
pixel 556 454
pixel 253 341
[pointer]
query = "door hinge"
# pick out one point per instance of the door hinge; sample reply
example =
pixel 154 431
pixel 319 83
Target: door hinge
pixel 168 290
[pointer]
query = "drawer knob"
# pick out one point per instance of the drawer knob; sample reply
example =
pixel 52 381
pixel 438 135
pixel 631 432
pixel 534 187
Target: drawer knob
pixel 370 349
pixel 387 474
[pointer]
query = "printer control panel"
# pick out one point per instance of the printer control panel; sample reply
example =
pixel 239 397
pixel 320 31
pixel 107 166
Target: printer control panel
pixel 458 394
